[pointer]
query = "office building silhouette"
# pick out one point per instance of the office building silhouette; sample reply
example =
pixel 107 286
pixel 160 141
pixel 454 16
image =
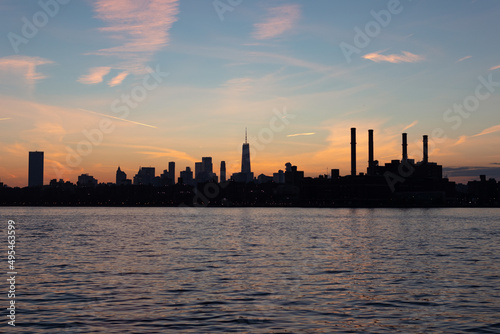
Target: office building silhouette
pixel 222 171
pixel 246 175
pixel 171 171
pixel 245 156
pixel 186 177
pixel 167 178
pixel 121 176
pixel 35 169
pixel 145 176
pixel 86 180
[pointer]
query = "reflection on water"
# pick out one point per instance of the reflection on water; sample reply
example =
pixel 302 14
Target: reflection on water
pixel 157 270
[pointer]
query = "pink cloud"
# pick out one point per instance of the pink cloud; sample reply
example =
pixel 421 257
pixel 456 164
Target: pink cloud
pixel 461 140
pixel 96 75
pixel 142 27
pixel 410 125
pixel 118 79
pixel 495 68
pixel 405 57
pixel 464 58
pixel 280 20
pixel 24 66
pixel 489 130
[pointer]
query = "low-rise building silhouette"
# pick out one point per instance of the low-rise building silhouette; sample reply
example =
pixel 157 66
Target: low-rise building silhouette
pixel 145 176
pixel 86 180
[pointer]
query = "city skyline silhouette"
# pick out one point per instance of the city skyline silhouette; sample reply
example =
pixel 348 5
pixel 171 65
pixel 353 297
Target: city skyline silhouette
pixel 402 182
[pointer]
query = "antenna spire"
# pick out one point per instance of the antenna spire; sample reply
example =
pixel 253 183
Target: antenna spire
pixel 246 136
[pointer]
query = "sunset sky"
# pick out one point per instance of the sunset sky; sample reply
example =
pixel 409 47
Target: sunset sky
pixel 156 81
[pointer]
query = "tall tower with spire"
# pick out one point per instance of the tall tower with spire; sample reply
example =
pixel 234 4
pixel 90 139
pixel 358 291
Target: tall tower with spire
pixel 246 174
pixel 245 156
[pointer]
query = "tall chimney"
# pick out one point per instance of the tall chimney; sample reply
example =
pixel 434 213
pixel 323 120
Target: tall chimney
pixel 370 152
pixel 353 151
pixel 405 146
pixel 426 149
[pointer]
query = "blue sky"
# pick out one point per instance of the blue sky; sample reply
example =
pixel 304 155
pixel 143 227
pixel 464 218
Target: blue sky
pixel 241 66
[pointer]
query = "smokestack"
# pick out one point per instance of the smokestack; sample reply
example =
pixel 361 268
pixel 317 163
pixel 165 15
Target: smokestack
pixel 353 151
pixel 405 147
pixel 426 149
pixel 370 152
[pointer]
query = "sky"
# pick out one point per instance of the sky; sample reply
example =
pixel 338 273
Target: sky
pixel 98 84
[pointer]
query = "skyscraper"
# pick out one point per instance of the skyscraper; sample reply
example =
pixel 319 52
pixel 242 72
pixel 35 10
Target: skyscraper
pixel 121 176
pixel 204 170
pixel 222 171
pixel 198 168
pixel 35 169
pixel 245 156
pixel 171 171
pixel 207 166
pixel 246 174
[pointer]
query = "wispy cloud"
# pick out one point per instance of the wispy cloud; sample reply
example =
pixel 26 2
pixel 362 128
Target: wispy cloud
pixel 471 171
pixel 280 19
pixel 405 57
pixel 410 125
pixel 95 76
pixel 256 57
pixel 489 130
pixel 464 58
pixel 118 118
pixel 461 140
pixel 302 134
pixel 5 119
pixel 495 68
pixel 142 27
pixel 239 85
pixel 24 66
pixel 118 79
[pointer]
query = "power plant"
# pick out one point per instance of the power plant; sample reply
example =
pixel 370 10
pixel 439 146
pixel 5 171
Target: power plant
pixel 423 168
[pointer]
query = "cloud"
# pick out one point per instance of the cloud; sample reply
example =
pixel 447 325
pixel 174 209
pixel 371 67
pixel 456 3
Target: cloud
pixel 118 118
pixel 161 152
pixel 410 125
pixel 405 57
pixel 464 58
pixel 495 68
pixel 24 66
pixel 118 79
pixel 280 19
pixel 96 75
pixel 243 56
pixel 461 140
pixel 239 85
pixel 142 28
pixel 302 134
pixel 489 130
pixel 471 171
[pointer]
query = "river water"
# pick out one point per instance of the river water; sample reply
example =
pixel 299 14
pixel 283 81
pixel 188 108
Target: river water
pixel 255 270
